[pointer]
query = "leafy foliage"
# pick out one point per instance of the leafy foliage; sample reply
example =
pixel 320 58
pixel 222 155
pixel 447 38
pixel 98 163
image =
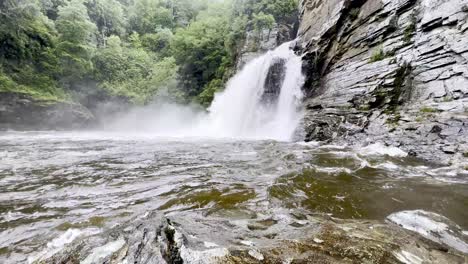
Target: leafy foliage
pixel 200 49
pixel 133 72
pixel 76 49
pixel 108 16
pixel 147 16
pixel 75 45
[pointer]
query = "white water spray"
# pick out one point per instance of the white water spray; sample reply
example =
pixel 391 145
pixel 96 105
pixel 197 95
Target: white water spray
pixel 239 111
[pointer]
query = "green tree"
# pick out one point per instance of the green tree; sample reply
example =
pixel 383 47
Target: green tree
pixel 24 30
pixel 185 11
pixel 130 48
pixel 108 15
pixel 76 42
pixel 50 7
pixel 263 21
pixel 110 62
pixel 158 42
pixel 279 9
pixel 209 91
pixel 132 71
pixel 26 49
pixel 147 16
pixel 200 49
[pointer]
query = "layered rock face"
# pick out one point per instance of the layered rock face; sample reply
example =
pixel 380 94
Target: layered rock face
pixel 21 112
pixel 391 71
pixel 257 43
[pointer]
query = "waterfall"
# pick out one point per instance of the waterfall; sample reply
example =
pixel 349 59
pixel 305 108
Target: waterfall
pixel 262 101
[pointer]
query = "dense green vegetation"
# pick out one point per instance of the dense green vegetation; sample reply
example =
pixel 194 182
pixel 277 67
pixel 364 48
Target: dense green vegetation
pixel 84 49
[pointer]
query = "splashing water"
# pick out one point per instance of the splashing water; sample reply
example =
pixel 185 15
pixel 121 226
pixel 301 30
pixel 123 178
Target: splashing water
pixel 244 110
pixel 239 111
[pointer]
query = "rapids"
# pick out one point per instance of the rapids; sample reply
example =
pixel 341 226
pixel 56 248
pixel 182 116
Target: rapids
pixel 59 186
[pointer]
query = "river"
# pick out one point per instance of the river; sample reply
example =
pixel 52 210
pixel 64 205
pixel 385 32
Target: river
pixel 51 182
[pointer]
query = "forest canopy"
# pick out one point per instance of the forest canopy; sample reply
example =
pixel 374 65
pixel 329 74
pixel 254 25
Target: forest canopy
pixel 81 49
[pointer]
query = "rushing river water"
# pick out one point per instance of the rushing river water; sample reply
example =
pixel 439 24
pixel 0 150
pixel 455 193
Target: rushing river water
pixel 60 187
pixel 52 182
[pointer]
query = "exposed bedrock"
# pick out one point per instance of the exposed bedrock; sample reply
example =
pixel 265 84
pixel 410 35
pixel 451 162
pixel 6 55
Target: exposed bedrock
pixel 22 112
pixel 258 42
pixel 183 238
pixel 392 71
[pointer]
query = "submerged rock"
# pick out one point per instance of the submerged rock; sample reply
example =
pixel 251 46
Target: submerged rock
pixel 191 238
pixel 432 226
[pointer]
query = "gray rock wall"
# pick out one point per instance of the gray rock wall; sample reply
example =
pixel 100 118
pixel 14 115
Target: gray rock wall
pixel 393 71
pixel 256 43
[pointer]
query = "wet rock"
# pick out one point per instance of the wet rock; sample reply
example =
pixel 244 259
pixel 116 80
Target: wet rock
pixel 386 71
pixel 258 42
pixel 101 253
pixel 449 149
pixel 432 226
pixel 273 82
pixel 436 129
pixel 182 239
pixel 22 112
pixel 262 225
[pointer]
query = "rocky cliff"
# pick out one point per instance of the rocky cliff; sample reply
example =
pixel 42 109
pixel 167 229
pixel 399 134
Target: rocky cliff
pixel 258 42
pixel 390 71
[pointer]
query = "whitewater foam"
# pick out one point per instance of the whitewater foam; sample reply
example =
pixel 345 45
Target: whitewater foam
pixel 102 252
pixel 60 242
pixel 238 112
pixel 378 149
pixel 408 257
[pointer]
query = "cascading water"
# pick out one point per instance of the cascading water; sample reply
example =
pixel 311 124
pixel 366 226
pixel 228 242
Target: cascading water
pixel 240 112
pixel 262 101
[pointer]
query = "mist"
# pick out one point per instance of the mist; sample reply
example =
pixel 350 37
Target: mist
pixel 161 118
pixel 256 104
